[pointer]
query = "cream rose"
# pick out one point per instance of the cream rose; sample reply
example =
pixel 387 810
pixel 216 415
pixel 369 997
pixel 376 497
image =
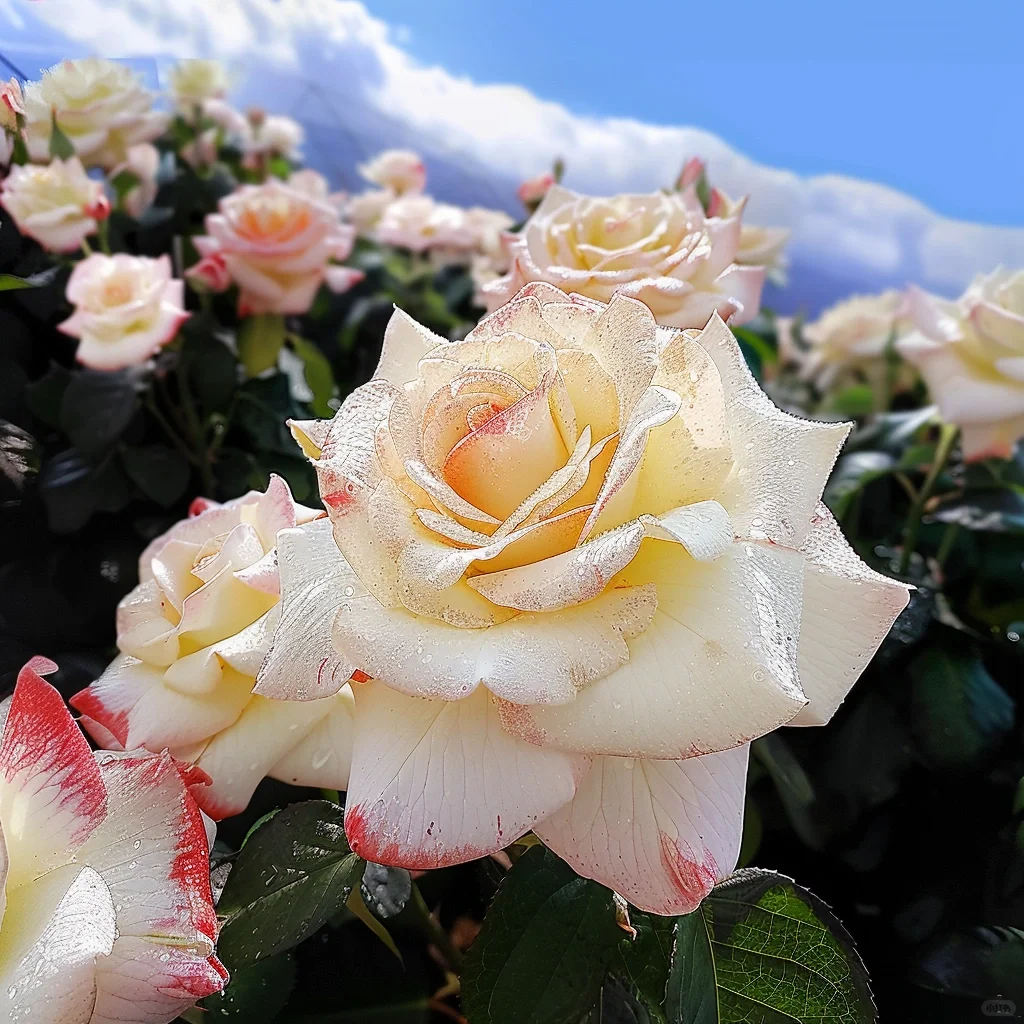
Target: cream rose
pixel 420 223
pixel 274 134
pixel 658 248
pixel 971 355
pixel 398 170
pixel 852 340
pixel 276 242
pixel 365 209
pixel 192 636
pixel 193 82
pixel 107 910
pixel 583 561
pixel 144 163
pixel 126 309
pixel 758 246
pixel 100 105
pixel 58 205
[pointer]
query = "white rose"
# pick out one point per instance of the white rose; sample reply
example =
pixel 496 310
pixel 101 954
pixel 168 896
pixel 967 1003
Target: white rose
pixel 193 634
pixel 126 309
pixel 275 134
pixel 100 105
pixel 365 210
pixel 58 205
pixel 971 355
pixel 107 910
pixel 195 81
pixel 399 170
pixel 420 223
pixel 659 248
pixel 583 561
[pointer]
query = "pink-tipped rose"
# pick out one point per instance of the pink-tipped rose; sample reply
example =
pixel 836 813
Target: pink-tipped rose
pixel 126 309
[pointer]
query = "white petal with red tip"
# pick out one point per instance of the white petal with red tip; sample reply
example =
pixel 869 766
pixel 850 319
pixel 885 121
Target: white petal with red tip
pixel 436 783
pixel 660 833
pixel 847 611
pixel 51 795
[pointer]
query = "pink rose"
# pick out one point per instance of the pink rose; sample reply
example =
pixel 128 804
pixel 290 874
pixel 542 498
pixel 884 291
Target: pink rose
pixel 276 242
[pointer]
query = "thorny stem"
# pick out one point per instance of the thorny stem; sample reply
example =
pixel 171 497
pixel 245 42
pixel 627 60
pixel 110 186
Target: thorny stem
pixel 947 438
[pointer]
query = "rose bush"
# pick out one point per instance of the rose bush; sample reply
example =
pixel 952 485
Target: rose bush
pixel 971 354
pixel 107 911
pixel 658 248
pixel 192 636
pixel 584 561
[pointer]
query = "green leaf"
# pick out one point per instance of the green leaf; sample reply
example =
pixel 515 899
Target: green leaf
pixel 762 949
pixel 259 341
pixel 123 182
pixel 541 954
pixel 161 473
pixel 96 408
pixel 319 376
pixel 294 872
pixel 256 994
pixel 960 713
pixel 644 961
pixel 857 400
pixel 60 145
pixel 10 283
pixel 360 910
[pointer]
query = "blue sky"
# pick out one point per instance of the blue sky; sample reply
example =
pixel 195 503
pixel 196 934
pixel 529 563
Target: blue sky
pixel 924 96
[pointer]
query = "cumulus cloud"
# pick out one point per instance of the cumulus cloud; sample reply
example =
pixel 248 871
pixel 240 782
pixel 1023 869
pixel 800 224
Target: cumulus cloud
pixel 346 76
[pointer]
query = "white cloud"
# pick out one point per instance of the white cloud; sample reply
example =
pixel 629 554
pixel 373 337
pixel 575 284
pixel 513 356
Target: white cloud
pixel 345 74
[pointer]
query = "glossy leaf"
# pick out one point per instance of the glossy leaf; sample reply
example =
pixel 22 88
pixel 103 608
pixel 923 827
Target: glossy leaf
pixel 292 874
pixel 762 949
pixel 255 994
pixel 541 954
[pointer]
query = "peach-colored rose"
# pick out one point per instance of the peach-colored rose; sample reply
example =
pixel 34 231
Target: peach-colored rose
pixel 192 635
pixel 276 242
pixel 579 561
pixel 126 309
pixel 100 105
pixel 971 355
pixel 659 248
pixel 399 170
pixel 108 914
pixel 58 205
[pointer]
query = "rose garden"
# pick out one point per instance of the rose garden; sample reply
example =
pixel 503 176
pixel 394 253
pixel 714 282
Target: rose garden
pixel 456 617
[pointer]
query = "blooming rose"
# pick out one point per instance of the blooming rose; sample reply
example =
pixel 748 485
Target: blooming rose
pixel 126 309
pixel 192 635
pixel 100 106
pixel 193 82
pixel 275 134
pixel 57 205
pixel 971 355
pixel 12 105
pixel 107 908
pixel 420 223
pixel 365 209
pixel 533 190
pixel 658 248
pixel 490 258
pixel 399 170
pixel 275 242
pixel 582 561
pixel 850 339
